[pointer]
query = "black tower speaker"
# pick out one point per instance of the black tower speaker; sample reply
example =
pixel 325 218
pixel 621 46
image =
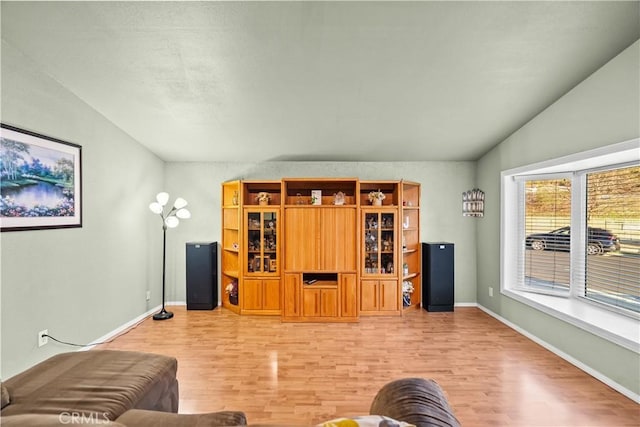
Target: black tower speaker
pixel 202 276
pixel 437 276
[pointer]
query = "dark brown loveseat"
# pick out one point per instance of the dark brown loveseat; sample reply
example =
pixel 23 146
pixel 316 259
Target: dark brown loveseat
pixel 103 387
pixel 124 388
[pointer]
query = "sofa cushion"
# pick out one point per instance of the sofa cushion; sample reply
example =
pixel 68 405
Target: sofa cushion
pixel 105 383
pixel 5 398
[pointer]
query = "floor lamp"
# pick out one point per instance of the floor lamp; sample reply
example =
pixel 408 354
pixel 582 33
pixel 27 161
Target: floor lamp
pixel 170 219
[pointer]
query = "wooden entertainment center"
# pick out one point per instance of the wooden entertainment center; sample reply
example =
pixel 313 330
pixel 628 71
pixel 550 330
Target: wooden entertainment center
pixel 320 249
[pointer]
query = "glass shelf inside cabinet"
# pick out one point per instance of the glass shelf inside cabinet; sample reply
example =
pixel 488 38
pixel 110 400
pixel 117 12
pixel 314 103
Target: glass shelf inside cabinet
pixel 262 242
pixel 379 238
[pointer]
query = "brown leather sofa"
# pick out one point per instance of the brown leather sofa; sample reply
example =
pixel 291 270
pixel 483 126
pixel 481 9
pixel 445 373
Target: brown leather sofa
pixel 125 388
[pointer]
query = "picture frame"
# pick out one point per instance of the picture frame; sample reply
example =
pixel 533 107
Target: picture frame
pixel 273 266
pixel 41 181
pixel 316 197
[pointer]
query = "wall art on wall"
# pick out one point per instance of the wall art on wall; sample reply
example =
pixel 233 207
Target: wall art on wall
pixel 40 181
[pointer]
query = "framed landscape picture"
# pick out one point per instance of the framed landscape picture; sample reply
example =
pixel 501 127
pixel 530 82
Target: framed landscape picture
pixel 40 181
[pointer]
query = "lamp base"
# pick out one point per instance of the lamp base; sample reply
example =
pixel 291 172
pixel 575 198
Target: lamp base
pixel 163 315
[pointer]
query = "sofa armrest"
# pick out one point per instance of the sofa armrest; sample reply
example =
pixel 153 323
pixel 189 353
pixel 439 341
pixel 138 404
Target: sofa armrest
pixel 414 400
pixel 145 418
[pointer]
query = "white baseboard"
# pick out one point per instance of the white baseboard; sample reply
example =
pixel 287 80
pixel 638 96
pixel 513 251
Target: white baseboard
pixel 465 304
pixel 175 303
pixel 117 331
pixel 596 374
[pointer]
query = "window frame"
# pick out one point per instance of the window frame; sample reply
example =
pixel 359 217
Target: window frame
pixel 599 319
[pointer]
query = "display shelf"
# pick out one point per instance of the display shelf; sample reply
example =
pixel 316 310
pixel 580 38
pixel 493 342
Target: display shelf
pixel 251 190
pixel 303 192
pixel 390 190
pixel 231 231
pixel 411 255
pixel 379 241
pixel 261 240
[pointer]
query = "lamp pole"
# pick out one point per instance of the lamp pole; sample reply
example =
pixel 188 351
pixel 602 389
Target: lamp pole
pixel 163 314
pixel 169 220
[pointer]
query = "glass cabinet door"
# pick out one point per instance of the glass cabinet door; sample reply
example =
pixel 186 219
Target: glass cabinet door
pixel 262 242
pixel 379 243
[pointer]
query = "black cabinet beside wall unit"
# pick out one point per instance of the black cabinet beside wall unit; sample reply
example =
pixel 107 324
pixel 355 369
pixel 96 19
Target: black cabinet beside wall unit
pixel 202 276
pixel 438 276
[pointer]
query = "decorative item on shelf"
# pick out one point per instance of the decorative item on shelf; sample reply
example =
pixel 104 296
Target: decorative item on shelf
pixel 299 199
pixel 406 223
pixel 405 269
pixel 376 197
pixel 234 199
pixel 258 263
pixel 407 290
pixel 170 219
pixel 473 203
pixel 338 198
pixel 316 197
pixel 263 198
pixel 232 290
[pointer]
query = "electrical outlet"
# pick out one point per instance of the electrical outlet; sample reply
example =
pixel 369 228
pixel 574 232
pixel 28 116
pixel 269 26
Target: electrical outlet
pixel 148 295
pixel 490 291
pixel 43 338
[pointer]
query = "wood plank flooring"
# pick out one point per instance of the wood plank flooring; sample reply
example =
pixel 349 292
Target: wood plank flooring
pixel 301 374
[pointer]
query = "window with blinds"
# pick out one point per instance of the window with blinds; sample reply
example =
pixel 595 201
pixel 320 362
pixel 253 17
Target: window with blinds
pixel 612 246
pixel 580 235
pixel 545 262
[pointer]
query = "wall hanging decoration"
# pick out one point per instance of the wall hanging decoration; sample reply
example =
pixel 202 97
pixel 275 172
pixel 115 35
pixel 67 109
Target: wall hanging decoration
pixel 40 181
pixel 473 203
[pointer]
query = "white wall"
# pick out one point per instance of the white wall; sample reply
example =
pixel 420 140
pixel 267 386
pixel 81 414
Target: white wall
pixel 84 282
pixel 441 205
pixel 602 110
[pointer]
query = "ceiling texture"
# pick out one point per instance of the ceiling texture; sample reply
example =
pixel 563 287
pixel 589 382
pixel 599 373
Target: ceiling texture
pixel 336 81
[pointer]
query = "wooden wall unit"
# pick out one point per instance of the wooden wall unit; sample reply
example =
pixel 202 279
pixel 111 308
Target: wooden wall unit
pixel 320 250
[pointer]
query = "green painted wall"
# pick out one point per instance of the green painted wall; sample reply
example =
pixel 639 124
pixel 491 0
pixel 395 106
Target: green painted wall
pixel 84 282
pixel 602 110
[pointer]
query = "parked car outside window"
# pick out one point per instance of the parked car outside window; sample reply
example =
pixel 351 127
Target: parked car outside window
pixel 599 240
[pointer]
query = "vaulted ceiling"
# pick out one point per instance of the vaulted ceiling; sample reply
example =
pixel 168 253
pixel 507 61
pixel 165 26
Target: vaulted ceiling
pixel 367 81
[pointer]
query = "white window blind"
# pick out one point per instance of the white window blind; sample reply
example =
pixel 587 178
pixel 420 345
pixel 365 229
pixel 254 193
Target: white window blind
pixel 612 246
pixel 545 262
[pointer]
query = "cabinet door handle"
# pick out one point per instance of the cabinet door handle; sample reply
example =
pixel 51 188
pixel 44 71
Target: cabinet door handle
pixel 375 294
pixel 295 299
pixel 343 295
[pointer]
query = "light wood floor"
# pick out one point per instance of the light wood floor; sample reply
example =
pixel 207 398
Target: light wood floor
pixel 301 374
